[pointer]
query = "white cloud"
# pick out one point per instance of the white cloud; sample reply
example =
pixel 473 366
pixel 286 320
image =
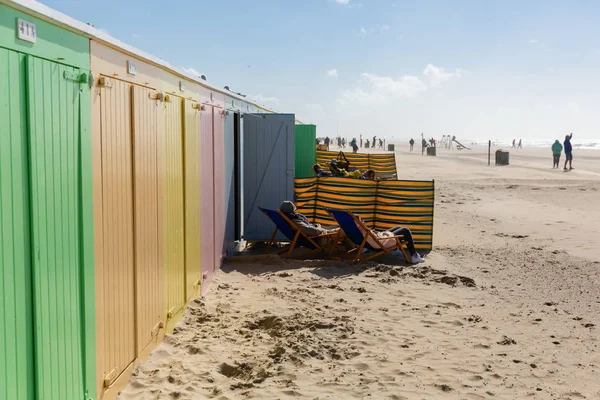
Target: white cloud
pixel 379 90
pixel 533 41
pixel 376 90
pixel 343 2
pixel 192 71
pixel 362 32
pixel 265 100
pixel 332 73
pixel 437 75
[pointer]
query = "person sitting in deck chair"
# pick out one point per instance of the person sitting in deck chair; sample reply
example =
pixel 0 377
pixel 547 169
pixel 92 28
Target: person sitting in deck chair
pixel 320 172
pixel 387 240
pixel 369 174
pixel 289 210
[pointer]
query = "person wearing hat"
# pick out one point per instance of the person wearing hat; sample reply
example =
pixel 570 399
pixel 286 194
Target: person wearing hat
pixel 289 210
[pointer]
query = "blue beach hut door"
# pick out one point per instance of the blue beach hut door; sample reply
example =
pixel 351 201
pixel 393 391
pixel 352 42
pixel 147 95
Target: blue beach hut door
pixel 268 173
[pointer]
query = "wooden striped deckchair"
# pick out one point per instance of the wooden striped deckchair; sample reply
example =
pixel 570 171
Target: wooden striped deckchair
pixel 351 226
pixel 296 236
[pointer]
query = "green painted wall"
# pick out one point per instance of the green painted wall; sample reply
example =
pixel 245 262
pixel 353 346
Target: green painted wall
pixel 53 43
pixel 16 334
pixel 47 349
pixel 306 150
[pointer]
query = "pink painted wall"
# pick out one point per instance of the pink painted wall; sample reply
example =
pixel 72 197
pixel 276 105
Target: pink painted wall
pixel 219 185
pixel 207 219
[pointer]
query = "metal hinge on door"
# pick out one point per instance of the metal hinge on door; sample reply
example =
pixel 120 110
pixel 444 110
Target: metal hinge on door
pixel 105 82
pixel 76 76
pixel 156 96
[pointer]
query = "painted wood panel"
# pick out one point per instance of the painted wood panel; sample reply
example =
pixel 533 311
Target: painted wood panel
pixel 148 264
pixel 207 217
pixel 16 334
pixel 268 169
pixel 115 279
pixel 174 252
pixel 192 197
pixel 56 245
pixel 220 202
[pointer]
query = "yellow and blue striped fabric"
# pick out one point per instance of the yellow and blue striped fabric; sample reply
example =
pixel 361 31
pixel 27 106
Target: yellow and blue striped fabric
pixel 381 204
pixel 382 164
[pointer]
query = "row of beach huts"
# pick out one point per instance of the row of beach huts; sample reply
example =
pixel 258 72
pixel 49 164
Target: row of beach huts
pixel 124 183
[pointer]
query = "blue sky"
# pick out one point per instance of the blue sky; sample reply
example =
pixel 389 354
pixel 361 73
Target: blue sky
pixel 476 69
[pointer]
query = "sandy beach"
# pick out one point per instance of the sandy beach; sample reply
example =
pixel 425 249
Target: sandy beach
pixel 506 306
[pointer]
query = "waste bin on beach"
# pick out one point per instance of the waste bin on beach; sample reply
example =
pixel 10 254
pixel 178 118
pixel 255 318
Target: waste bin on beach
pixel 391 147
pixel 501 157
pixel 431 151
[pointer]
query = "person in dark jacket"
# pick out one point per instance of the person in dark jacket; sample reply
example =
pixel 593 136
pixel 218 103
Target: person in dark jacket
pixel 556 150
pixel 289 210
pixel 369 174
pixel 320 172
pixel 568 152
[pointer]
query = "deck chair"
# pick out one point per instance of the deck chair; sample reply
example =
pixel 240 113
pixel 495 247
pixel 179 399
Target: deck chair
pixel 295 235
pixel 349 224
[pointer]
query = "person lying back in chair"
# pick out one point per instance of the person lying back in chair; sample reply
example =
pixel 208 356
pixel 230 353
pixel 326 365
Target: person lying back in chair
pixel 289 210
pixel 320 171
pixel 387 240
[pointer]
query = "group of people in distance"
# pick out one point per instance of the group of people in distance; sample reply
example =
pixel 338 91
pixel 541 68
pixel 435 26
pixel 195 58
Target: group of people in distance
pixel 557 149
pixel 354 144
pixel 386 237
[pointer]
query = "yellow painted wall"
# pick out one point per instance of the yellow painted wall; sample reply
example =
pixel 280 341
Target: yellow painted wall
pixel 174 248
pixel 192 197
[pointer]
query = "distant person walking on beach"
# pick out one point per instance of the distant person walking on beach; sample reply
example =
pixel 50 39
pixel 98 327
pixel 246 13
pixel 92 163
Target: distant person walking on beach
pixel 353 145
pixel 327 142
pixel 568 152
pixel 360 140
pixel 380 144
pixel 520 146
pixel 514 143
pixel 412 143
pixel 556 150
pixel 423 145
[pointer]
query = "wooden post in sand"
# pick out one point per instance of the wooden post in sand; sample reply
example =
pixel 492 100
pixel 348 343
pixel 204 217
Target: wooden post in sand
pixel 489 151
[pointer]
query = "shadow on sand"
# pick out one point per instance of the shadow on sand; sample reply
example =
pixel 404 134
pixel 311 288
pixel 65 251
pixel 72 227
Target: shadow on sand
pixel 254 262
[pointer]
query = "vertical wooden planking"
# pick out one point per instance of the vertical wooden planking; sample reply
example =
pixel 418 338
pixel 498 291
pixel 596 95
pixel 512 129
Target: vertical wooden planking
pixel 173 206
pixel 192 197
pixel 148 270
pixel 268 168
pixel 230 179
pixel 54 142
pixel 207 218
pixel 219 185
pixel 16 340
pixel 116 328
